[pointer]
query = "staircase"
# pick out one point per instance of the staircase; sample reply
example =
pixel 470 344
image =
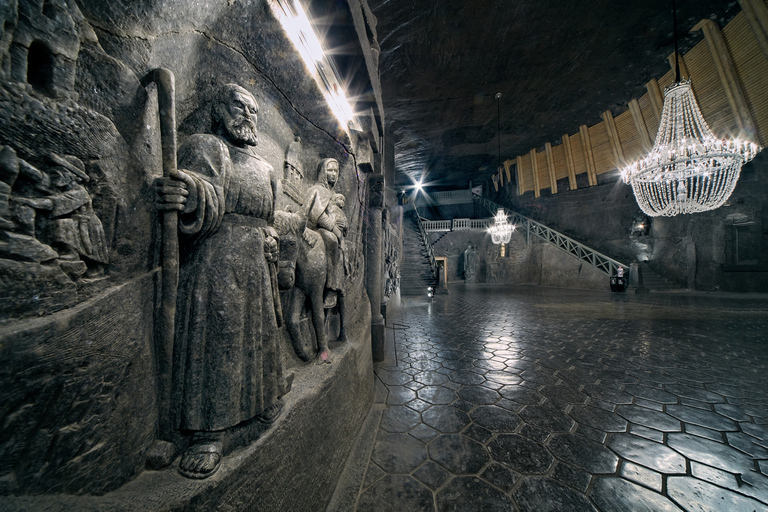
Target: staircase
pixel 601 262
pixel 653 281
pixel 650 280
pixel 415 271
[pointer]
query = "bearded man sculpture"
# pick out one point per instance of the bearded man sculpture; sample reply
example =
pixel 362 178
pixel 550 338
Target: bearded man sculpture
pixel 227 366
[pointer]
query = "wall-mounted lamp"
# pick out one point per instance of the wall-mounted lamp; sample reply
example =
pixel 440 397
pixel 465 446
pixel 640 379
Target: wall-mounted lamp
pixel 297 26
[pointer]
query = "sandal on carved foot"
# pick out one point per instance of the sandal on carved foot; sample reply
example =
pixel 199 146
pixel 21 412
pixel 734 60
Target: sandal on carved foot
pixel 202 459
pixel 271 413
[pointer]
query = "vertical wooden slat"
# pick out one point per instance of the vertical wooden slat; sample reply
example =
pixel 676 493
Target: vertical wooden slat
pixel 507 165
pixel 586 144
pixel 551 168
pixel 642 131
pixel 725 69
pixel 681 62
pixel 569 161
pixel 756 13
pixel 535 169
pixel 613 136
pixel 656 100
pixel 520 177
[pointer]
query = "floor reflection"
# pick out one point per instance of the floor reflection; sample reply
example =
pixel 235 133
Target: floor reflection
pixel 542 399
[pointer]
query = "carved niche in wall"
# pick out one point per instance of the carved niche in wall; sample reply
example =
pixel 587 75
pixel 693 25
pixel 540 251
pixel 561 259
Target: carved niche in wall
pixel 59 163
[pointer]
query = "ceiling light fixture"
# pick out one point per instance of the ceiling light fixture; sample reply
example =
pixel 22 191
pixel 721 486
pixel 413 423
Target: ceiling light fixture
pixel 296 24
pixel 688 170
pixel 501 230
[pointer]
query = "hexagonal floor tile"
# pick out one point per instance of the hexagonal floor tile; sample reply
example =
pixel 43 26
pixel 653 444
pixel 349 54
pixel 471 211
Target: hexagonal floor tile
pixel 520 454
pixel 398 453
pixel 583 453
pixel 458 454
pixel 460 492
pixel 395 493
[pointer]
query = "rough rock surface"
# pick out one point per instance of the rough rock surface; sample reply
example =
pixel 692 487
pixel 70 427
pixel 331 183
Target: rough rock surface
pixel 558 64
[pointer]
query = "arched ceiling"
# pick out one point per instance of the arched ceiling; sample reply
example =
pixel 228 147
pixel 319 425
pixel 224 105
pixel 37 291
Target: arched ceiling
pixel 557 63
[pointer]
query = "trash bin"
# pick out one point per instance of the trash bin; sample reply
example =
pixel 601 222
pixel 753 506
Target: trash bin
pixel 618 284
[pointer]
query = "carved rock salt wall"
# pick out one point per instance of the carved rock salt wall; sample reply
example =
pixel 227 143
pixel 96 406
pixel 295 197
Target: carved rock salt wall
pixel 80 238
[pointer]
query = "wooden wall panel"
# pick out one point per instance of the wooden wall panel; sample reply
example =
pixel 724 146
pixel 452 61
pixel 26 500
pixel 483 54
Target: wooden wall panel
pixel 527 172
pixel 630 139
pixel 578 154
pixel 601 149
pixel 541 160
pixel 709 92
pixel 666 80
pixel 751 69
pixel 561 166
pixel 651 123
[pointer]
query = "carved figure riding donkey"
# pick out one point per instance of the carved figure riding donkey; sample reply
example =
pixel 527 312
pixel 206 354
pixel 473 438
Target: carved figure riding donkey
pixel 311 252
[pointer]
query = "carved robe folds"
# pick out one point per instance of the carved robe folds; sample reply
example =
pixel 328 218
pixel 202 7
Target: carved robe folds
pixel 227 364
pixel 322 220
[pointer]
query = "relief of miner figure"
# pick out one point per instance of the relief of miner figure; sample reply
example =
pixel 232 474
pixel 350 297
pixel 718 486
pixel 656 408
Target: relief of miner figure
pixel 226 359
pixel 327 219
pixel 70 224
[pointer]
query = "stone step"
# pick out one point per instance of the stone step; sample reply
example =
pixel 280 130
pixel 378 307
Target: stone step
pixel 415 272
pixel 653 281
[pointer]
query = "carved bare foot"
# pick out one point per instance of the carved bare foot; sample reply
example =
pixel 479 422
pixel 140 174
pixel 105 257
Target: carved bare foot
pixel 202 459
pixel 343 336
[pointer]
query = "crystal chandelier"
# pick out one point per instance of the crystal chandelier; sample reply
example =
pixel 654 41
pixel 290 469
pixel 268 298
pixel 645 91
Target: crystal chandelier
pixel 501 230
pixel 688 170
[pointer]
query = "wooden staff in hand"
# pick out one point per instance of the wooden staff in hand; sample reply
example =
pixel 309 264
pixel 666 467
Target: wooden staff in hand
pixel 165 83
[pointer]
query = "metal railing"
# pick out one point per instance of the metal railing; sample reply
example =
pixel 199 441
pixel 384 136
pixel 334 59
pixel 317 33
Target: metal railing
pixel 436 226
pixel 598 260
pixel 427 244
pixel 439 226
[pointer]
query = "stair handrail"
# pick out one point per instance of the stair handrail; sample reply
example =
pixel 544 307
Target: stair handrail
pixel 428 245
pixel 598 260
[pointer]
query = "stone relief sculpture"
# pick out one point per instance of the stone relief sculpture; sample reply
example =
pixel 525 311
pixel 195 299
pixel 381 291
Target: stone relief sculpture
pixel 81 255
pixel 316 239
pixel 470 263
pixel 391 257
pixel 66 215
pixel 328 220
pixel 227 365
pixel 293 179
pixel 48 215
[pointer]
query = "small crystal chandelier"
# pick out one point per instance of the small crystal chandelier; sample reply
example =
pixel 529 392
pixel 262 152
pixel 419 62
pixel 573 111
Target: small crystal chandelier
pixel 688 170
pixel 501 230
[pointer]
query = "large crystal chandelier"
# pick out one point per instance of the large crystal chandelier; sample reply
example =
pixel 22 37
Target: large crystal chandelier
pixel 688 170
pixel 501 230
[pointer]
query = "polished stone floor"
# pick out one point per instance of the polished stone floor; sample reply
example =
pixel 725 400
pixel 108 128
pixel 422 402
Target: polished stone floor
pixel 540 399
